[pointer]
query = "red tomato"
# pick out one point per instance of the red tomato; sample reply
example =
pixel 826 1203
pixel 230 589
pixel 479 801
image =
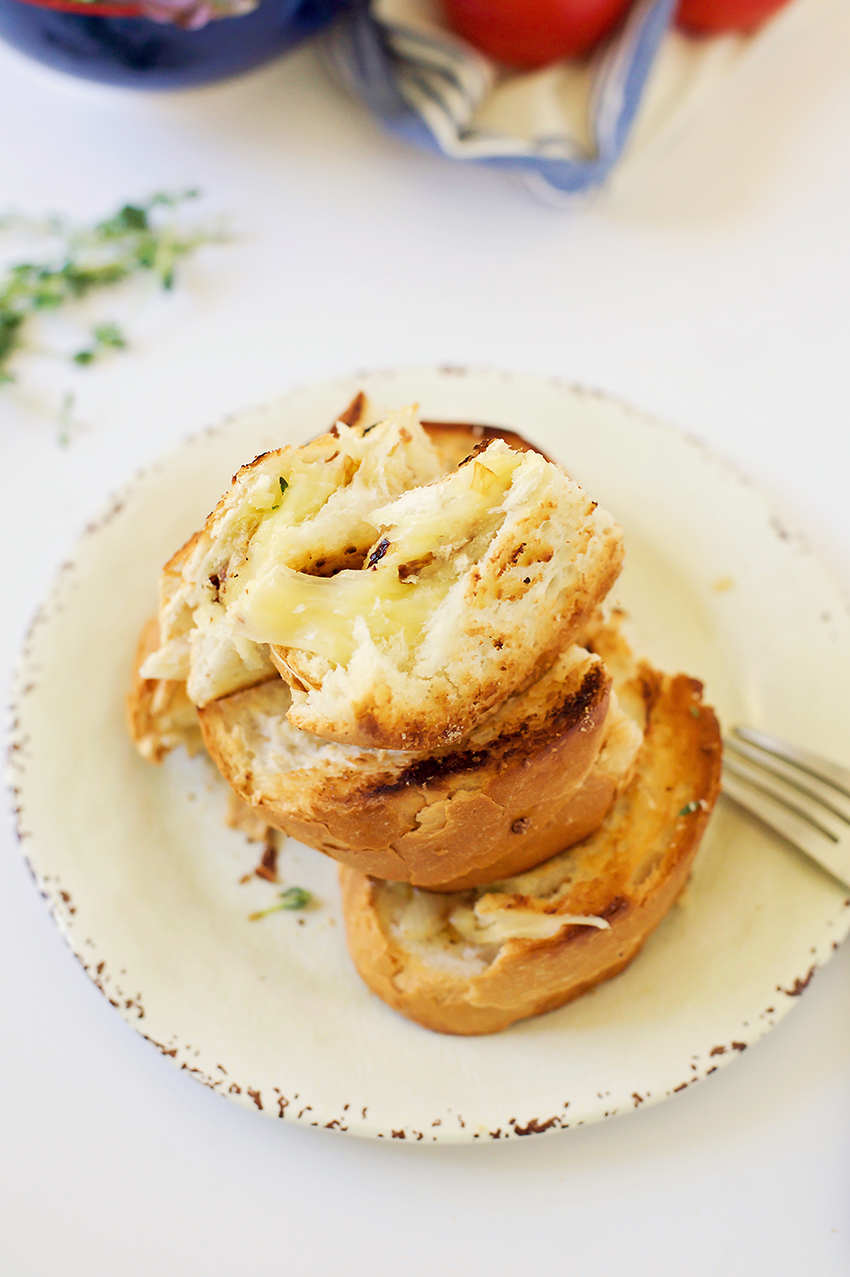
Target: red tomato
pixel 710 17
pixel 529 33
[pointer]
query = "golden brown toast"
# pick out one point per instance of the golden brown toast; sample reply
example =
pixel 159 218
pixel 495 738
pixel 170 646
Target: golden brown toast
pixel 160 716
pixel 525 784
pixel 476 961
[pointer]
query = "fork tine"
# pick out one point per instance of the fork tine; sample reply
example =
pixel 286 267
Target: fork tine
pixel 789 774
pixel 793 800
pixel 834 856
pixel 820 768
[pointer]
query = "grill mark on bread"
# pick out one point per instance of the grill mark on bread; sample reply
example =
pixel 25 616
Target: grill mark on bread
pixel 248 466
pixel 449 834
pixel 428 770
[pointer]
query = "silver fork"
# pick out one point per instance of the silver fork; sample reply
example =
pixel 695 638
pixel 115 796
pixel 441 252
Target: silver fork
pixel 804 798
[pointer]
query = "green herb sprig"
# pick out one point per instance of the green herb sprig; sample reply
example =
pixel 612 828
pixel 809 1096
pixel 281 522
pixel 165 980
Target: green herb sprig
pixel 283 486
pixel 292 898
pixel 105 337
pixel 133 241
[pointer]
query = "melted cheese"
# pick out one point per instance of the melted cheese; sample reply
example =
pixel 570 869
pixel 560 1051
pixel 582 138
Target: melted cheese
pixel 276 604
pixel 474 492
pixel 499 925
pixel 318 614
pixel 422 917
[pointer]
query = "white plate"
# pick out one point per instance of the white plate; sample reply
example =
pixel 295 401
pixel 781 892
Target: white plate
pixel 144 880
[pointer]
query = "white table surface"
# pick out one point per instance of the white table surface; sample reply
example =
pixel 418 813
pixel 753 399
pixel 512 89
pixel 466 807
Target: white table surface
pixel 708 286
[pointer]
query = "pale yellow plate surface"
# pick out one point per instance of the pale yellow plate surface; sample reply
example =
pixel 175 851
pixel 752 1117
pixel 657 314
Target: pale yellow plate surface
pixel 144 879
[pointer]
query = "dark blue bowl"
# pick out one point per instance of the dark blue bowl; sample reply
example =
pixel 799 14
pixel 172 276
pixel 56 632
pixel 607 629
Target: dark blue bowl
pixel 143 54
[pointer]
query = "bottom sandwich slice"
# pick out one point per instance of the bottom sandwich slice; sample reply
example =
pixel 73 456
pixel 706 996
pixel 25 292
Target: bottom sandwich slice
pixel 476 961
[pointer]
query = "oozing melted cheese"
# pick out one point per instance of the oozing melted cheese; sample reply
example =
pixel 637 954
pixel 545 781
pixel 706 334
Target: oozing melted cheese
pixel 405 577
pixel 308 485
pixel 318 614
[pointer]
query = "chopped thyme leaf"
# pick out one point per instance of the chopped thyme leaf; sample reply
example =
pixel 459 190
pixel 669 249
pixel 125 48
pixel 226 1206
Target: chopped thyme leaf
pixel 106 337
pixel 694 711
pixel 689 808
pixel 283 486
pixel 110 335
pixel 292 898
pixel 129 218
pixel 295 898
pixel 130 242
pixel 65 419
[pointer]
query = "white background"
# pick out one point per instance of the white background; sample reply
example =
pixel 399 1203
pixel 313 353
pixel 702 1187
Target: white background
pixel 708 286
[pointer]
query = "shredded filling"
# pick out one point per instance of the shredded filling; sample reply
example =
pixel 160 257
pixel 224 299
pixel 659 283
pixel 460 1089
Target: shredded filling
pixel 405 576
pixel 473 924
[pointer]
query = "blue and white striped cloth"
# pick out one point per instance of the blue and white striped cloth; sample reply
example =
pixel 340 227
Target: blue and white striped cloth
pixel 433 90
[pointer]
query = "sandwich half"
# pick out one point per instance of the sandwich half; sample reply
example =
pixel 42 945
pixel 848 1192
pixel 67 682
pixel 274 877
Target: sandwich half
pixel 402 604
pixel 476 961
pixel 536 776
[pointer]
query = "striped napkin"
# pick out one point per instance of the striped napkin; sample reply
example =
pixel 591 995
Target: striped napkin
pixel 562 128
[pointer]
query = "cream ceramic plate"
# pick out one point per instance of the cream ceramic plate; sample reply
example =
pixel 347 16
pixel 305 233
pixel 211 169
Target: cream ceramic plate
pixel 144 879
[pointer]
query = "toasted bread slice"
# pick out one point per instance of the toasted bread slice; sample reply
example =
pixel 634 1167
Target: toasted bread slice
pixel 474 584
pixel 474 962
pixel 160 716
pixel 521 786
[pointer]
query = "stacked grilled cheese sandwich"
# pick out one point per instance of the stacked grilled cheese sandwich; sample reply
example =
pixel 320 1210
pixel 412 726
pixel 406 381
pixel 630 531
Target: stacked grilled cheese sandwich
pixel 394 644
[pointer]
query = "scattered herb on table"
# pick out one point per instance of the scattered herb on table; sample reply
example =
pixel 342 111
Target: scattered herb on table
pixel 65 419
pixel 105 337
pixel 133 241
pixel 292 898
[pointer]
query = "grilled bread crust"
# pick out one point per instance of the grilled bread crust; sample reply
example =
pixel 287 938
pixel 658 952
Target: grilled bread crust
pixel 518 789
pixel 627 875
pixel 457 440
pixel 160 716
